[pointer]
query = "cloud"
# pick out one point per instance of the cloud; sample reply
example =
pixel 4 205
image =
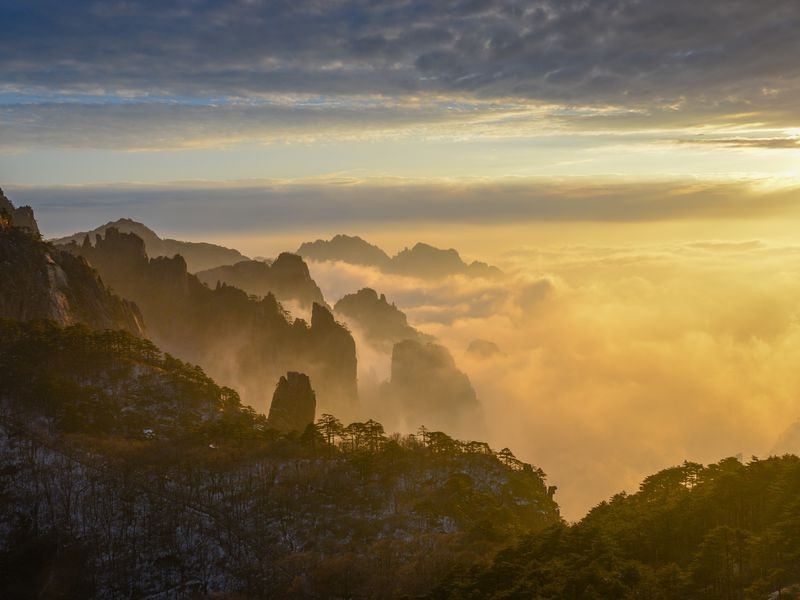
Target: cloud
pixel 772 143
pixel 619 361
pixel 347 204
pixel 653 63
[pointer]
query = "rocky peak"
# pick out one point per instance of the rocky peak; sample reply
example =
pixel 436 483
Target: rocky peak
pixel 287 278
pixel 382 323
pixel 322 318
pixel 294 403
pixel 290 264
pixel 430 388
pixel 21 217
pixel 38 281
pixel 346 248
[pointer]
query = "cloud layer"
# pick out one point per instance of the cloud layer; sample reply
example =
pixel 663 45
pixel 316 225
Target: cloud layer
pixel 349 204
pixel 612 51
pixel 618 362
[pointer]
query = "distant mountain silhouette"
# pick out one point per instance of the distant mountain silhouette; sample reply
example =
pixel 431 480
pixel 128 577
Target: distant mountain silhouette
pixel 788 442
pixel 287 278
pixel 422 260
pixel 427 387
pixel 346 248
pixel 383 324
pixel 245 343
pixel 39 281
pixel 199 256
pixel 484 349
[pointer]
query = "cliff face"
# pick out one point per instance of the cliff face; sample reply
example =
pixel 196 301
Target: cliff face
pixel 430 389
pixel 198 255
pixel 293 404
pixel 37 281
pixel 383 324
pixel 242 342
pixel 287 278
pixel 21 217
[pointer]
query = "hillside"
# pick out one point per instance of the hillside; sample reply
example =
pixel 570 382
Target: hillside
pixel 128 473
pixel 199 256
pixel 723 531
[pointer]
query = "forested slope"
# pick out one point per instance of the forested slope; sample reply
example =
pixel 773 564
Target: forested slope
pixel 127 472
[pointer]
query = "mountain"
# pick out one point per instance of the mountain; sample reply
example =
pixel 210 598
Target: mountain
pixel 287 278
pixel 788 442
pixel 39 281
pixel 723 531
pixel 427 387
pixel 129 473
pixel 294 404
pixel 21 217
pixel 199 256
pixel 346 248
pixel 484 349
pixel 243 342
pixel 422 260
pixel 430 262
pixel 382 323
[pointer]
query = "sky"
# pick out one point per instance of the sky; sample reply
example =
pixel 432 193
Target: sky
pixel 633 165
pixel 159 92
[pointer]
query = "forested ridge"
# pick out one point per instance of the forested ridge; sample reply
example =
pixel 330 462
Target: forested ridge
pixel 726 531
pixel 137 472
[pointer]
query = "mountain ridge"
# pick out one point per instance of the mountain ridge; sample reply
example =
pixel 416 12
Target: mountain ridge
pixel 199 256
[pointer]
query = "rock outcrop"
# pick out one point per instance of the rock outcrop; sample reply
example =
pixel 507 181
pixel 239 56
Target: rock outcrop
pixel 21 217
pixel 243 342
pixel 199 256
pixel 38 281
pixel 287 278
pixel 428 388
pixel 294 404
pixel 383 324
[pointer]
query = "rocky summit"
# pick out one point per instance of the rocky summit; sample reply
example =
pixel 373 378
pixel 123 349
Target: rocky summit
pixel 294 403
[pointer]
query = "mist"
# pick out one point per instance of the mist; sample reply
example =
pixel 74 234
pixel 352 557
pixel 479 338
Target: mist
pixel 615 361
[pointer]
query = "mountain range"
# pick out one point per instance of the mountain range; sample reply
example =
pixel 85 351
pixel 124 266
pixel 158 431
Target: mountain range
pixel 199 256
pixel 422 260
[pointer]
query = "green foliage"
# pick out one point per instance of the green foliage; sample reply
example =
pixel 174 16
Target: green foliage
pixel 726 531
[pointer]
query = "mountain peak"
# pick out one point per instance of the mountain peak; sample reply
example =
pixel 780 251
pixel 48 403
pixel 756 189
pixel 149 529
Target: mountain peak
pixel 199 256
